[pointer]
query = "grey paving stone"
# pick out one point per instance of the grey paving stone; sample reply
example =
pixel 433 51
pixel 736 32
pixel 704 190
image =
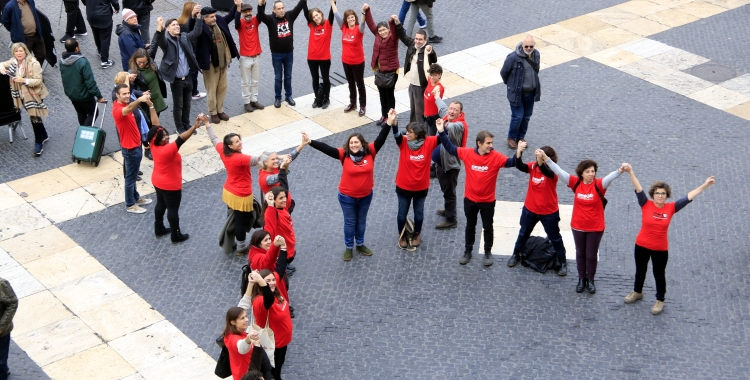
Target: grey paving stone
pixel 21 366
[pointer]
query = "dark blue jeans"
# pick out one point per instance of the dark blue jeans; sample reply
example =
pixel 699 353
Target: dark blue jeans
pixel 355 218
pixel 4 348
pixel 282 65
pixel 403 209
pixel 551 224
pixel 404 10
pixel 132 159
pixel 520 115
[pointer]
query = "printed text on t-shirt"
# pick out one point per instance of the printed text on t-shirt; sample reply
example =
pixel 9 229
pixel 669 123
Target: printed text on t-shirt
pixel 282 29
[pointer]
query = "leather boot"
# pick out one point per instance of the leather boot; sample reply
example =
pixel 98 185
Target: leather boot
pixel 582 283
pixel 563 271
pixel 592 287
pixel 513 260
pixel 178 236
pixel 160 230
pixel 318 97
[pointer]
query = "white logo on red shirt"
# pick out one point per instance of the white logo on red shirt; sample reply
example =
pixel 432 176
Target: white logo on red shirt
pixel 417 158
pixel 658 215
pixel 478 168
pixel 537 180
pixel 320 32
pixel 585 197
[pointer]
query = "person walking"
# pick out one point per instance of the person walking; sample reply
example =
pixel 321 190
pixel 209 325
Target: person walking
pixel 250 50
pixel 483 164
pixel 281 40
pixel 652 243
pixel 540 205
pixel 357 158
pixel 405 6
pixel 75 24
pixel 426 7
pixel 384 60
pixel 142 9
pixel 189 10
pixel 128 36
pixel 448 166
pixel 79 83
pixel 520 73
pixel 99 14
pixel 176 64
pixel 416 68
pixel 587 221
pixel 319 53
pixel 28 90
pixel 353 58
pixel 167 174
pixel 8 308
pixel 22 21
pixel 215 49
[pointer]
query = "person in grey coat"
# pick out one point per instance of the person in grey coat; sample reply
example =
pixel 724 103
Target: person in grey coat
pixel 520 73
pixel 176 64
pixel 8 307
pixel 448 166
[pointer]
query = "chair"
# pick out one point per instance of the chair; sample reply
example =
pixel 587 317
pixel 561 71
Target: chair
pixel 8 114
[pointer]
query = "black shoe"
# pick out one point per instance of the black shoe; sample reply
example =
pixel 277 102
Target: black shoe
pixel 291 268
pixel 277 103
pixel 488 260
pixel 582 283
pixel 65 37
pixel 465 258
pixel 513 260
pixel 291 311
pixel 592 287
pixel 140 172
pixel 290 101
pixel 289 273
pixel 326 102
pixel 160 230
pixel 177 236
pixel 138 178
pixel 446 225
pixel 563 271
pixel 249 108
pixel 436 40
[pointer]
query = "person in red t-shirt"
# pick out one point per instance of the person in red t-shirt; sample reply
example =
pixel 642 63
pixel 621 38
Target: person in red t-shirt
pixel 250 49
pixel 238 188
pixel 353 57
pixel 269 175
pixel 483 164
pixel 319 53
pixel 652 242
pixel 432 92
pixel 588 214
pixel 167 175
pixel 242 346
pixel 357 159
pixel 540 206
pixel 277 219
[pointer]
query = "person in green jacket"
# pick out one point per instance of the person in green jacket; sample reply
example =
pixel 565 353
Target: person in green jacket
pixel 8 307
pixel 79 83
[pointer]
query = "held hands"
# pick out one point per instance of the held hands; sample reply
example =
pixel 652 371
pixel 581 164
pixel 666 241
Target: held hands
pixel 19 80
pixel 391 117
pixel 428 50
pixel 254 337
pixel 540 154
pixel 394 18
pixel 196 10
pixel 279 241
pixel 436 91
pixel 145 98
pixel 269 199
pixel 3 70
pixel 238 3
pixel 623 168
pixel 254 277
pixel 440 126
pixel 365 7
pixel 131 77
pixel 522 146
pixel 261 2
pixel 285 162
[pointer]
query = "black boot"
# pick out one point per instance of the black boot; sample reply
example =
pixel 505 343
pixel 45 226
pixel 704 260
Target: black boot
pixel 178 236
pixel 592 287
pixel 326 101
pixel 563 271
pixel 513 260
pixel 318 97
pixel 160 230
pixel 582 283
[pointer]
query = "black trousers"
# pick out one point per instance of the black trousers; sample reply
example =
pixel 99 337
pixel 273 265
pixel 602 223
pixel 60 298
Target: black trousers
pixel 279 357
pixel 387 99
pixel 76 24
pixel 659 266
pixel 169 201
pixel 487 211
pixel 320 69
pixel 182 95
pixel 102 38
pixel 448 182
pixel 240 230
pixel 430 122
pixel 355 77
pixel 85 110
pixel 35 43
pixel 144 20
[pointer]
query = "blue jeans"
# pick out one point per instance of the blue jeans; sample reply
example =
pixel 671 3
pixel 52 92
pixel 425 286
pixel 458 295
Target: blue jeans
pixel 551 225
pixel 282 61
pixel 520 115
pixel 132 159
pixel 4 348
pixel 402 16
pixel 403 208
pixel 355 218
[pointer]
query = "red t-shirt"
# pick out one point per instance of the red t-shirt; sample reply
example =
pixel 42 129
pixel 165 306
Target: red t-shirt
pixel 239 363
pixel 655 226
pixel 279 222
pixel 481 173
pixel 130 134
pixel 249 39
pixel 413 172
pixel 238 180
pixel 430 108
pixel 278 316
pixel 352 51
pixel 541 197
pixel 588 211
pixel 167 174
pixel 265 188
pixel 357 177
pixel 319 45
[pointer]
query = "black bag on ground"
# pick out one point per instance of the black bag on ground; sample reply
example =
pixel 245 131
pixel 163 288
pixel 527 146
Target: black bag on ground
pixel 539 254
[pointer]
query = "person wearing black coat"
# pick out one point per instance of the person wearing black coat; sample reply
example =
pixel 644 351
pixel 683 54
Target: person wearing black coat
pixel 25 30
pixel 99 14
pixel 75 23
pixel 520 73
pixel 416 49
pixel 142 9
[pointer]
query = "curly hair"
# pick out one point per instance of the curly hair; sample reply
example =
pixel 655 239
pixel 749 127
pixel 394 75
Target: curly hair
pixel 585 164
pixel 660 185
pixel 362 141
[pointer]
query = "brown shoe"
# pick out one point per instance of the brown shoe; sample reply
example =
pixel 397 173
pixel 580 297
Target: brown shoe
pixel 215 119
pixel 223 116
pixel 441 212
pixel 416 240
pixel 512 143
pixel 362 111
pixel 257 105
pixel 402 243
pixel 249 108
pixel 350 108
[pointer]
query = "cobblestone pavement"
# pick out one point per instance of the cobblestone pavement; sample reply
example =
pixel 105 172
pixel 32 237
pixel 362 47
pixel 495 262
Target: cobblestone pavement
pixel 469 24
pixel 421 315
pixel 21 366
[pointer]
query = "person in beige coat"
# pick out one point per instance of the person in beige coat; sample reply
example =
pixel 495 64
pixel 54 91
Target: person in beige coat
pixel 28 90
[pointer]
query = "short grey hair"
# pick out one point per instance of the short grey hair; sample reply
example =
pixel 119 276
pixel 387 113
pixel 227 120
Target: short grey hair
pixel 263 158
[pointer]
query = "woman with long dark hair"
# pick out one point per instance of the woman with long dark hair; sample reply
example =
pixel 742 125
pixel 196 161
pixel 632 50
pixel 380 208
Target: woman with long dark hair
pixel 353 57
pixel 384 61
pixel 242 346
pixel 319 53
pixel 278 220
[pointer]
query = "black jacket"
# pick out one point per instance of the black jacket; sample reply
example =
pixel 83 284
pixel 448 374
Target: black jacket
pixel 410 50
pixel 170 60
pixel 99 12
pixel 140 7
pixel 204 42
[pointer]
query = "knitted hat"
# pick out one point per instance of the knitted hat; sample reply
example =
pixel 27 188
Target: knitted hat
pixel 127 13
pixel 207 11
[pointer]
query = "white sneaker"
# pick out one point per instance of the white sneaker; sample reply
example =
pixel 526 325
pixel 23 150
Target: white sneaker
pixel 135 209
pixel 81 34
pixel 200 95
pixel 143 201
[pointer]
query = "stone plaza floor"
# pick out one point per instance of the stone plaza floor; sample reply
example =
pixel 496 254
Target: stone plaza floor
pixel 102 298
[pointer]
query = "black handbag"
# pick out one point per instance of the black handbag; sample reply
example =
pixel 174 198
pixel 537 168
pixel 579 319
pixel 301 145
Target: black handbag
pixel 223 370
pixel 386 80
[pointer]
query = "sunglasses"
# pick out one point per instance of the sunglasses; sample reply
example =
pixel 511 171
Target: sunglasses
pixel 528 46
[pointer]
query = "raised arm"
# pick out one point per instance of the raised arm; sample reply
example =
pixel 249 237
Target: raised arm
pixel 234 11
pixel 520 165
pixel 393 123
pixel 709 182
pixel 443 136
pixel 565 176
pixel 382 136
pixel 261 16
pixel 212 135
pixel 613 176
pixel 134 104
pixel 368 19
pixel 332 12
pixel 339 20
pixel 238 16
pixel 301 6
pixel 325 148
pixel 196 32
pixel 407 40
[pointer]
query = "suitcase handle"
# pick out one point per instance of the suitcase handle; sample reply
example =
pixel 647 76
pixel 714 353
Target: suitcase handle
pixel 96 114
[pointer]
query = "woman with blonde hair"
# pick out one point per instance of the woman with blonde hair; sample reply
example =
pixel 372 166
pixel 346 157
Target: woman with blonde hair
pixel 28 90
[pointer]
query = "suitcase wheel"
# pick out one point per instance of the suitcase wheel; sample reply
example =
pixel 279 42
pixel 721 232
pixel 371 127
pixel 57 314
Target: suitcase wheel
pixel 78 161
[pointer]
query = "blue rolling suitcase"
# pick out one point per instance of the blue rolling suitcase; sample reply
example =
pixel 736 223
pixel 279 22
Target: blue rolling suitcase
pixel 89 141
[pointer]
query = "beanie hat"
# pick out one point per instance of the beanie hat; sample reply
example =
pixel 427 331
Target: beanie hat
pixel 127 13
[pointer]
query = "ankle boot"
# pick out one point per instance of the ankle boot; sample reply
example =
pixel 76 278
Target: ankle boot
pixel 178 236
pixel 582 283
pixel 513 260
pixel 592 287
pixel 242 247
pixel 563 271
pixel 160 230
pixel 318 97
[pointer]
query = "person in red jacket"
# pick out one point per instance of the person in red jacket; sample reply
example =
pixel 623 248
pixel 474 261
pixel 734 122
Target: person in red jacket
pixel 540 205
pixel 250 49
pixel 264 252
pixel 319 53
pixel 652 242
pixel 353 57
pixel 277 219
pixel 483 164
pixel 412 177
pixel 384 60
pixel 588 214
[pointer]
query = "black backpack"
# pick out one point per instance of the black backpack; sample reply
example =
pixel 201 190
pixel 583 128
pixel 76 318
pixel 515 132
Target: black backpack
pixel 539 254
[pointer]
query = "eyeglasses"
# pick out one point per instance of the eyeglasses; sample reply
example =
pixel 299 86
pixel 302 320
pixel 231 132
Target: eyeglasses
pixel 528 46
pixel 660 193
pixel 141 62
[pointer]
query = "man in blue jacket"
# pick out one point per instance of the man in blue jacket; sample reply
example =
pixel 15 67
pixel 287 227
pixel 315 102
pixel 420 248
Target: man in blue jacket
pixel 79 82
pixel 128 36
pixel 520 73
pixel 21 19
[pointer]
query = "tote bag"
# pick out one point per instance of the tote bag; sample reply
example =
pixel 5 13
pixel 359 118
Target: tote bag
pixel 267 340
